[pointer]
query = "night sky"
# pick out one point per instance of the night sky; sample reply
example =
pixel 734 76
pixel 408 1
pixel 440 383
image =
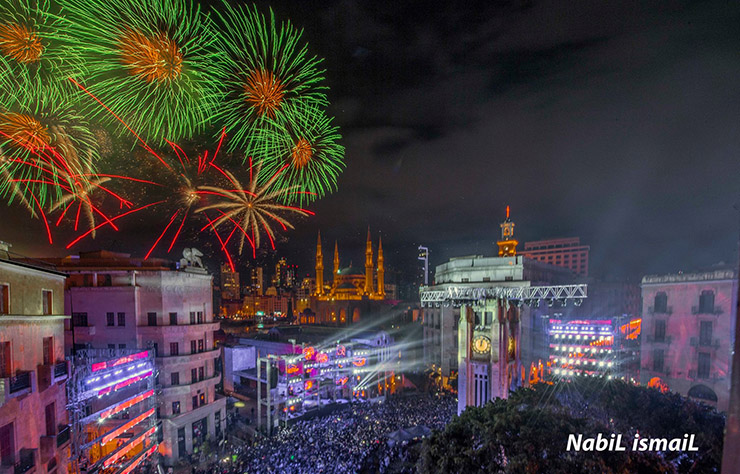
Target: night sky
pixel 618 122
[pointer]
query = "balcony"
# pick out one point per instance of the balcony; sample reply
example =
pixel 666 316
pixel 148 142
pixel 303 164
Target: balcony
pixel 705 343
pixel 668 310
pixel 186 389
pixel 175 330
pixel 50 444
pixel 26 461
pixel 50 374
pixel 84 330
pixel 188 358
pixel 663 340
pixel 21 384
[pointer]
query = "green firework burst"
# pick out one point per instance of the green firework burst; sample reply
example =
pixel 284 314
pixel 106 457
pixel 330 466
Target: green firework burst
pixel 304 149
pixel 265 69
pixel 47 149
pixel 150 62
pixel 34 46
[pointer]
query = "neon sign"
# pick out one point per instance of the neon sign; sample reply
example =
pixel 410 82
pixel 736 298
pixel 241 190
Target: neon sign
pixel 321 358
pixel 127 426
pixel 127 404
pixel 115 457
pixel 359 362
pixel 123 360
pixel 292 369
pixel 138 461
pixel 341 351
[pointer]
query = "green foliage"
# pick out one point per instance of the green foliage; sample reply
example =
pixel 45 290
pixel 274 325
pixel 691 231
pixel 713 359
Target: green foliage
pixel 529 432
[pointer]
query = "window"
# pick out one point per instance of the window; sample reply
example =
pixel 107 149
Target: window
pixel 201 373
pixel 706 302
pixel 200 317
pixel 705 333
pixel 193 347
pixel 508 278
pixel 121 319
pixel 173 319
pixel 200 345
pixel 5 299
pixel 465 280
pixel 175 408
pixel 7 444
pixel 192 317
pixel 151 319
pixel 703 369
pixel 195 402
pixel 156 350
pixel 174 348
pixel 6 367
pixel 121 346
pixel 46 301
pixel 193 375
pixel 659 330
pixel 112 346
pixel 658 360
pixel 175 378
pixel 202 399
pixel 50 418
pixel 110 319
pixel 660 305
pixel 47 347
pixel 79 319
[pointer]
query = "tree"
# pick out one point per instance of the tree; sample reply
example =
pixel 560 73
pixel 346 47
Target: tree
pixel 528 433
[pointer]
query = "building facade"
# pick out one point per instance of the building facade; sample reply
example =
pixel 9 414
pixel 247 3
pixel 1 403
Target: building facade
pixel 34 434
pixel 567 252
pixel 119 302
pixel 687 326
pixel 461 345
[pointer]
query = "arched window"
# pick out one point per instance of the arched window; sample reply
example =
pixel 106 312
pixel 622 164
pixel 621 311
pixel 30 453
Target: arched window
pixel 661 302
pixel 702 392
pixel 706 302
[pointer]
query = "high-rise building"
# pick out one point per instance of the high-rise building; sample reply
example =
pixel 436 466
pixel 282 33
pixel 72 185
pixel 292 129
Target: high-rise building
pixel 230 289
pixel 34 434
pixel 258 280
pixel 120 302
pixel 566 252
pixel 688 320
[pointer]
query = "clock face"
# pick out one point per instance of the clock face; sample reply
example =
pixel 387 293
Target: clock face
pixel 481 344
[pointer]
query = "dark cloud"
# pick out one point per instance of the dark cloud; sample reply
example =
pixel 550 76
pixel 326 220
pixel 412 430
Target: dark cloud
pixel 615 121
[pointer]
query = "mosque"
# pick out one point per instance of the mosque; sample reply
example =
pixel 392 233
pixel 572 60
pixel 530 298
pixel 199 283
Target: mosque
pixel 351 292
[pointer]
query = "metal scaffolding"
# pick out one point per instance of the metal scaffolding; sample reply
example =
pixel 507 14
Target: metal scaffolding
pixel 529 295
pixel 112 408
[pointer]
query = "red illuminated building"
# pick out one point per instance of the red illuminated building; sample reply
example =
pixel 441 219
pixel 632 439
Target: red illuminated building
pixel 566 252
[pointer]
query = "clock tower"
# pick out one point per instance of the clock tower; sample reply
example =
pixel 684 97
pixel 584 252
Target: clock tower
pixel 489 353
pixel 507 244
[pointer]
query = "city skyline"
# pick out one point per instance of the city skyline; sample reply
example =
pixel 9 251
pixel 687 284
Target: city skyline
pixel 577 121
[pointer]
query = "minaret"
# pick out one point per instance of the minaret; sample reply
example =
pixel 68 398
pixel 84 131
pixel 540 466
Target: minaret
pixel 368 265
pixel 381 269
pixel 319 268
pixel 507 244
pixel 335 280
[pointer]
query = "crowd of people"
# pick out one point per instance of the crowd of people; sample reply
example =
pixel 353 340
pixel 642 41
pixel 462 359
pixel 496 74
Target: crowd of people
pixel 353 439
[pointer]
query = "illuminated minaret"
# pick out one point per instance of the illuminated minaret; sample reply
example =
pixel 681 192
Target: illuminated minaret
pixel 319 268
pixel 368 265
pixel 335 281
pixel 507 244
pixel 381 269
